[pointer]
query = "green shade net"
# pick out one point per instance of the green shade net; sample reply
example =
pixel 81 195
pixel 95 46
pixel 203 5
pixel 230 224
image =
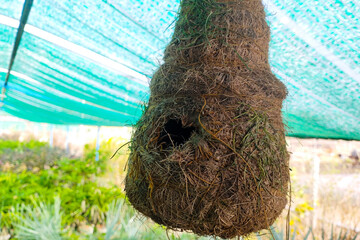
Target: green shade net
pixel 89 62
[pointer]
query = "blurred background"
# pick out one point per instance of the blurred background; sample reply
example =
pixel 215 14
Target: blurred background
pixel 325 176
pixel 74 77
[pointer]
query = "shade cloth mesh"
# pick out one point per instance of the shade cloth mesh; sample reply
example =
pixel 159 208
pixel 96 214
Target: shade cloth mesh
pixel 89 62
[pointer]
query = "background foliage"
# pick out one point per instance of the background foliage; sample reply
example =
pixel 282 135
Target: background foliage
pixel 45 194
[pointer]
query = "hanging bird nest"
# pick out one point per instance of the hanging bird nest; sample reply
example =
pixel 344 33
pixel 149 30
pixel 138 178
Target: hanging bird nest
pixel 209 152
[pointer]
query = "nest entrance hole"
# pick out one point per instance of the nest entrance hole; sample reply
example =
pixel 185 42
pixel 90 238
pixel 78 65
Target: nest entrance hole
pixel 174 134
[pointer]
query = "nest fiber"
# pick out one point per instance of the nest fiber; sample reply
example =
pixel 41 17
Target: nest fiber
pixel 209 152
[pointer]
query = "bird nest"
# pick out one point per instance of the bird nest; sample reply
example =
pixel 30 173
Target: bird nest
pixel 209 152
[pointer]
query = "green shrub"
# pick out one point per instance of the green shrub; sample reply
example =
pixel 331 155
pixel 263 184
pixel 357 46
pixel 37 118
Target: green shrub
pixel 18 145
pixel 30 159
pixel 32 155
pixel 42 221
pixel 39 222
pixel 73 180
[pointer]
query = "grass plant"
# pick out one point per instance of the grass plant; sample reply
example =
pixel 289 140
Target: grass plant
pixel 39 222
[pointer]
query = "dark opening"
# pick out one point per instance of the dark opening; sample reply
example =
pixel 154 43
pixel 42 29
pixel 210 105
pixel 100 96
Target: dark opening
pixel 174 134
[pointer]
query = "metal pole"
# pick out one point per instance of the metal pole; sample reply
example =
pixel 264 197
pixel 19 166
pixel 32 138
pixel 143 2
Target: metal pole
pixel 97 144
pixel 36 130
pixel 316 180
pixel 51 139
pixel 23 20
pixel 67 139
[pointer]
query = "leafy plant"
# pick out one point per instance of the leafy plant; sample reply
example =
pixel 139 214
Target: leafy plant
pixel 30 159
pixel 18 145
pixel 39 222
pixel 32 155
pixel 73 180
pixel 113 218
pixel 28 210
pixel 280 235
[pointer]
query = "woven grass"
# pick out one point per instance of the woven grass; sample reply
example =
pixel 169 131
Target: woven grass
pixel 209 152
